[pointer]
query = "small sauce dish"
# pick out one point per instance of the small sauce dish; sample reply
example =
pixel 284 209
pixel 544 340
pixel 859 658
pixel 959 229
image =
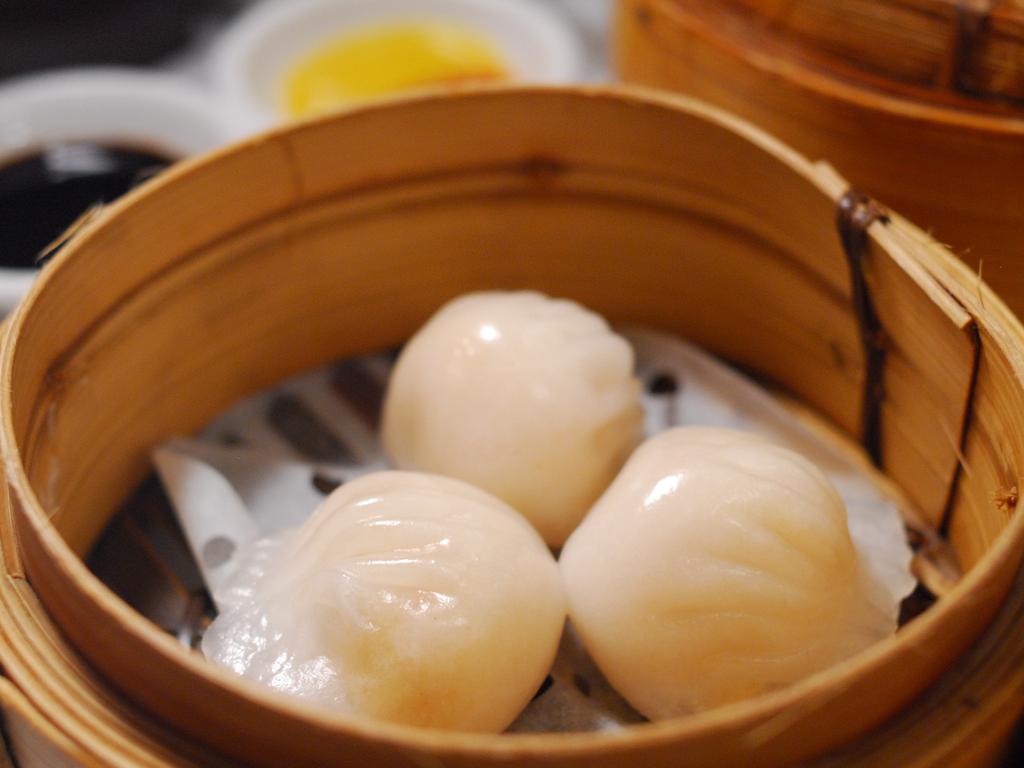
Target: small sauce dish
pixel 71 139
pixel 252 62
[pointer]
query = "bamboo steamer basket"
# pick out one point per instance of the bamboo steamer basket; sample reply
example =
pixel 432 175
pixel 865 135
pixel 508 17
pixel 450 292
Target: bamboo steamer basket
pixel 341 236
pixel 920 103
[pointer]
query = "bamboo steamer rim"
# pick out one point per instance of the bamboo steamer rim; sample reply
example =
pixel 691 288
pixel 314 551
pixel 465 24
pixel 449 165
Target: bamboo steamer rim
pixel 839 90
pixel 809 692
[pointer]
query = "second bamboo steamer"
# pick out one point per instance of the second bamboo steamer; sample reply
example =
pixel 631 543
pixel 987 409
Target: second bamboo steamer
pixel 920 104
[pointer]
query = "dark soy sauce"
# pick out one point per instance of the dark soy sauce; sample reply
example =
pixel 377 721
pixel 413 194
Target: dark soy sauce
pixel 42 194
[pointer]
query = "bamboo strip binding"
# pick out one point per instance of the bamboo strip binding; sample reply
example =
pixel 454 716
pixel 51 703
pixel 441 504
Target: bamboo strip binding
pixel 854 214
pixel 639 218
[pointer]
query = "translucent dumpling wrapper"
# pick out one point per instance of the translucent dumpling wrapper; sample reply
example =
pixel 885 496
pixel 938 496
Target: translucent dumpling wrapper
pixel 530 398
pixel 406 597
pixel 718 566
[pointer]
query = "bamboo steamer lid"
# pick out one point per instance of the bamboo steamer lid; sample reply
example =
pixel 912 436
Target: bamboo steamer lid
pixel 341 236
pixel 920 103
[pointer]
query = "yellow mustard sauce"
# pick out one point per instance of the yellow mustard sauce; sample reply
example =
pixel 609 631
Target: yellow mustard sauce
pixel 382 60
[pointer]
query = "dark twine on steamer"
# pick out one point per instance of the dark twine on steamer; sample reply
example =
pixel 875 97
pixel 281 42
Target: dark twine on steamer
pixel 856 212
pixel 972 17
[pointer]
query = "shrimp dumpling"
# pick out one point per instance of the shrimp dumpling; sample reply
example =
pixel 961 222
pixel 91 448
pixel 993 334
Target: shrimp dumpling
pixel 409 598
pixel 716 567
pixel 530 398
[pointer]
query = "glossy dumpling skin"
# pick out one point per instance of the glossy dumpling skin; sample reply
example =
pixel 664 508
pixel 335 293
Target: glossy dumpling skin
pixel 717 566
pixel 406 597
pixel 530 398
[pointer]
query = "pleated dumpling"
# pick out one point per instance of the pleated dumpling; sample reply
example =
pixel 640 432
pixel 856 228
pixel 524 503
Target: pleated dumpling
pixel 716 567
pixel 406 597
pixel 530 398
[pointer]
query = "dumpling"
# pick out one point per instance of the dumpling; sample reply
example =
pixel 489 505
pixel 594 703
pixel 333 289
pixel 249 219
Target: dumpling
pixel 406 597
pixel 716 567
pixel 530 398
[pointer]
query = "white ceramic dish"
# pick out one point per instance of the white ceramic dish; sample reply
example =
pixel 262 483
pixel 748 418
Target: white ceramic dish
pixel 538 43
pixel 158 112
